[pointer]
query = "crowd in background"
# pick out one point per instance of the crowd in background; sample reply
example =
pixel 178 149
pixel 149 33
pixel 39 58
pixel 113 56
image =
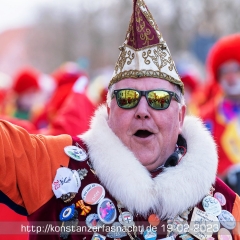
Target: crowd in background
pixel 64 101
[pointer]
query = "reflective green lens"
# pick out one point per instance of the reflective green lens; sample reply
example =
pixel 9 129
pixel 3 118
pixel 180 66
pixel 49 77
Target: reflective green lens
pixel 159 99
pixel 127 98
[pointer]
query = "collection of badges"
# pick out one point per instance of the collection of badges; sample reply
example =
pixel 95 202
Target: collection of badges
pixel 204 223
pixel 67 183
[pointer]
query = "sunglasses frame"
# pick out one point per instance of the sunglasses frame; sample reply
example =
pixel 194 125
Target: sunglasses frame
pixel 145 93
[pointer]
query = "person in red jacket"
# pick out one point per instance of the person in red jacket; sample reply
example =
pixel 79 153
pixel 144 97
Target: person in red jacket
pixel 30 91
pixel 73 117
pixel 143 170
pixel 64 76
pixel 222 114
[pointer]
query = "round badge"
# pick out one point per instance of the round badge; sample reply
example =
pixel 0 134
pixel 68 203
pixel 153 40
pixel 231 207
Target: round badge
pixel 220 197
pixel 211 205
pixel 97 236
pixel 126 219
pixel 150 235
pixel 224 234
pixel 153 220
pixel 106 211
pixel 93 221
pixel 67 213
pixel 227 220
pixel 117 231
pixel 76 153
pixel 93 193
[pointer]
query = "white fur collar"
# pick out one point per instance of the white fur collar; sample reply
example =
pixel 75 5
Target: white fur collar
pixel 172 191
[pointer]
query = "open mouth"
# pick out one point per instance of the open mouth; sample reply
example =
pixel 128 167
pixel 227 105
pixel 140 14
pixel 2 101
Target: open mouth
pixel 143 134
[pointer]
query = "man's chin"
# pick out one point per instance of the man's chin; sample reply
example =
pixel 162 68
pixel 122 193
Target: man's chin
pixel 148 163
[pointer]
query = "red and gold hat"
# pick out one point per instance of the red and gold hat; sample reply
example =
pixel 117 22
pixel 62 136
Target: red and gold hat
pixel 144 52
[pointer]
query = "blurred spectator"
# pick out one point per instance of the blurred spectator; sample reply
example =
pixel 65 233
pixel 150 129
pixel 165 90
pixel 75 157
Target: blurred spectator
pixel 68 110
pixel 73 117
pixel 222 113
pixel 65 76
pixel 30 90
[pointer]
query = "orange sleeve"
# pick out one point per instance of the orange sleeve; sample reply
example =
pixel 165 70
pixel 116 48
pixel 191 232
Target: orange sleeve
pixel 28 164
pixel 236 214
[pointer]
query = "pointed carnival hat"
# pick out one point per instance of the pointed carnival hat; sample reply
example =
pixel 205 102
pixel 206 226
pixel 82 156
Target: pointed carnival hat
pixel 144 52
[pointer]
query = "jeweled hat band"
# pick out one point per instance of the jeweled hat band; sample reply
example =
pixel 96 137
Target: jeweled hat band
pixel 144 52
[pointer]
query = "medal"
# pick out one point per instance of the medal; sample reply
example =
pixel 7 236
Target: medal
pixel 93 221
pixel 82 173
pixel 126 219
pixel 203 224
pixel 97 236
pixel 67 213
pixel 227 220
pixel 68 197
pixel 153 220
pixel 149 234
pixel 211 205
pixel 106 211
pixel 66 184
pixel 93 193
pixel 85 209
pixel 76 153
pixel 116 231
pixel 224 234
pixel 119 205
pixel 220 197
pixel 186 236
pixel 179 225
pixel 69 226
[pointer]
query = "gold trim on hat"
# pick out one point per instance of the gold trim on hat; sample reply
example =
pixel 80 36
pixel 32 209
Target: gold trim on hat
pixel 144 73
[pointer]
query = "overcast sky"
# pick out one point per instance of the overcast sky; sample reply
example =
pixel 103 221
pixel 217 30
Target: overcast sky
pixel 17 13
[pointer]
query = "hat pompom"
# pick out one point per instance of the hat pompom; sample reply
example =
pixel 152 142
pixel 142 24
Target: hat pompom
pixel 26 79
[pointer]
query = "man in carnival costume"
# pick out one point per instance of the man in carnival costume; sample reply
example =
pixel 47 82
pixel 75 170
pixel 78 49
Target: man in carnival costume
pixel 222 115
pixel 142 171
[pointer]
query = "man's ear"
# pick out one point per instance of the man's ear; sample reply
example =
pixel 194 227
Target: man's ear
pixel 181 117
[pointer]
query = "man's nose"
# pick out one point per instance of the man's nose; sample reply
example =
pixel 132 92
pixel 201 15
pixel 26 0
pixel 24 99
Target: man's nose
pixel 142 109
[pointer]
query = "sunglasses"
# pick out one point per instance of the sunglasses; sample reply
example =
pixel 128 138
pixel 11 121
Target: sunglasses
pixel 157 99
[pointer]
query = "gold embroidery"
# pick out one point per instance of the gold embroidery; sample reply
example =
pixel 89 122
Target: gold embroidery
pixel 171 62
pixel 141 3
pixel 149 17
pixel 145 55
pixel 141 28
pixel 158 58
pixel 144 36
pixel 145 73
pixel 131 30
pixel 139 20
pixel 124 56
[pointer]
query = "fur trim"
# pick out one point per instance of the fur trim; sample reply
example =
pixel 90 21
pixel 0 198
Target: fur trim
pixel 172 191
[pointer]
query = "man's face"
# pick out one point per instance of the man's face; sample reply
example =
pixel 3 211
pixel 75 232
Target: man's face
pixel 229 78
pixel 150 134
